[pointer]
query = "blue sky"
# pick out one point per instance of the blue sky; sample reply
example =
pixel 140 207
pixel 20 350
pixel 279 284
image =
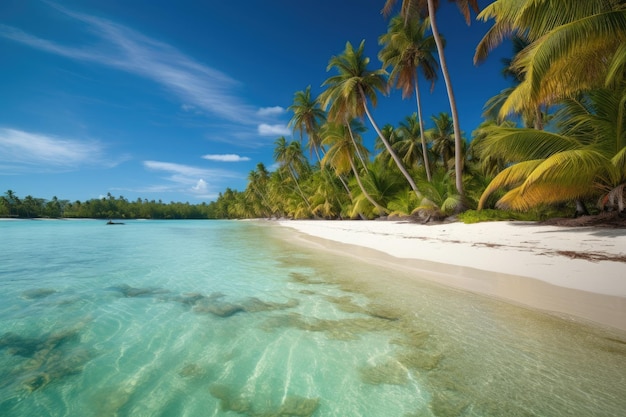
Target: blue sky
pixel 178 100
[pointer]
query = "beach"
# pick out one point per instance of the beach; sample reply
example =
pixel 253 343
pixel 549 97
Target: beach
pixel 575 272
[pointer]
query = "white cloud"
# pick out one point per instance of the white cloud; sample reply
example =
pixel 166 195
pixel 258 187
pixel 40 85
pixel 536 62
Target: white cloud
pixel 226 158
pixel 177 169
pixel 18 147
pixel 189 179
pixel 200 187
pixel 270 111
pixel 122 48
pixel 265 129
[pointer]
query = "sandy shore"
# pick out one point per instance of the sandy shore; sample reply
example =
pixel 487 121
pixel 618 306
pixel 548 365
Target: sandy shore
pixel 578 272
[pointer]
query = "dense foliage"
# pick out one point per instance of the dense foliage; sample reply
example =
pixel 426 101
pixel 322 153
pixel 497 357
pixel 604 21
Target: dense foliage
pixel 107 207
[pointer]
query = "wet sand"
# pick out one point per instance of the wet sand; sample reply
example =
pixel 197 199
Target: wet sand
pixel 578 273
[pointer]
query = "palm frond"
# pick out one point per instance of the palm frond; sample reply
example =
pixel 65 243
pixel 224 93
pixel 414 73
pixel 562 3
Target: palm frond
pixel 512 176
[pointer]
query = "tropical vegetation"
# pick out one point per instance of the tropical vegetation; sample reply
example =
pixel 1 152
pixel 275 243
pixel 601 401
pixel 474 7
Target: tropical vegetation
pixel 555 141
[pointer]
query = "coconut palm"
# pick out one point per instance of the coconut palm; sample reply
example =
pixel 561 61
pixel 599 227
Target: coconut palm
pixel 408 50
pixel 585 158
pixel 290 157
pixel 442 138
pixel 349 92
pixel 307 119
pixel 411 143
pixel 573 46
pixel 414 8
pixel 341 152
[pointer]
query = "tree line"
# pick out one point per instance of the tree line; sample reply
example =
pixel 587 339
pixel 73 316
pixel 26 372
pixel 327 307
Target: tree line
pixel 108 207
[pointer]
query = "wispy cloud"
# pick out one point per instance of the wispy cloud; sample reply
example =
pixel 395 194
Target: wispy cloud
pixel 271 111
pixel 40 152
pixel 190 179
pixel 120 47
pixel 265 129
pixel 226 158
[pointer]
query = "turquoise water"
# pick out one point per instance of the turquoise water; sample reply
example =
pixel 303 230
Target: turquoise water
pixel 221 318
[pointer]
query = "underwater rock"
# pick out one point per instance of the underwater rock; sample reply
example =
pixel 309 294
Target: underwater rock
pixel 219 309
pixel 292 405
pixel 303 279
pixel 230 400
pixel 296 406
pixel 448 404
pixel 390 372
pixel 37 293
pixel 31 346
pixel 131 292
pixel 191 370
pixel 418 359
pixel 255 305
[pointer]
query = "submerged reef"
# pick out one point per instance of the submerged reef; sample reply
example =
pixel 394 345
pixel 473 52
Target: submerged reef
pixel 44 359
pixel 205 304
pixel 37 293
pixel 292 406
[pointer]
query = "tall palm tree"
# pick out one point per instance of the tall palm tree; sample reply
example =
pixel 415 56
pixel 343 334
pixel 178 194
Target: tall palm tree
pixel 413 8
pixel 407 49
pixel 343 146
pixel 307 119
pixel 351 89
pixel 573 46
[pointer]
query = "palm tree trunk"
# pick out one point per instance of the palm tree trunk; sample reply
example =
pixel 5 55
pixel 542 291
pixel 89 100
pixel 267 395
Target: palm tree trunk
pixel 295 179
pixel 458 149
pixel 380 208
pixel 390 149
pixel 418 99
pixel 356 148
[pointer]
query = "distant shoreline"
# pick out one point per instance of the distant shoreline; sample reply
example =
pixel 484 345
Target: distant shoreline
pixel 573 271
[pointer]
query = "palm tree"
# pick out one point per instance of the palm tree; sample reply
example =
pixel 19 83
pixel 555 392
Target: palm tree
pixel 411 143
pixel 412 8
pixel 442 138
pixel 350 91
pixel 343 145
pixel 407 49
pixel 573 46
pixel 290 157
pixel 585 158
pixel 307 119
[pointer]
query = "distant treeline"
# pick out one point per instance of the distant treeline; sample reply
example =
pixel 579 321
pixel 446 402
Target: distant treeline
pixel 108 207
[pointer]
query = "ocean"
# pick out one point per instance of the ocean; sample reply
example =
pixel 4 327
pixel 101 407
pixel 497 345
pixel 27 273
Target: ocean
pixel 231 318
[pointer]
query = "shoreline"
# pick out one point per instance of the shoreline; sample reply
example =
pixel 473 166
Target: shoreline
pixel 577 272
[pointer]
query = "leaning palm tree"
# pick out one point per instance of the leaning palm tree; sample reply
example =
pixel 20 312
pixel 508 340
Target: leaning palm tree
pixel 585 158
pixel 343 146
pixel 408 49
pixel 307 119
pixel 351 89
pixel 413 8
pixel 573 46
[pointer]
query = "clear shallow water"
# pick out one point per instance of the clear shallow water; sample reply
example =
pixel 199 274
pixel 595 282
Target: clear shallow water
pixel 191 318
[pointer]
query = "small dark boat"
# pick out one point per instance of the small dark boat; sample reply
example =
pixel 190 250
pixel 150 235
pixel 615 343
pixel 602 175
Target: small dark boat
pixel 112 222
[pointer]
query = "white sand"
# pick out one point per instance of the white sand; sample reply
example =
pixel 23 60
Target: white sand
pixel 517 261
